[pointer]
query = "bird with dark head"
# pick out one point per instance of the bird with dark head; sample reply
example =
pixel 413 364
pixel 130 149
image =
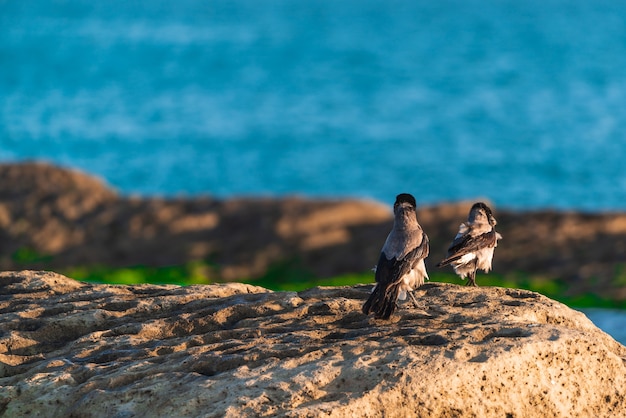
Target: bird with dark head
pixel 400 268
pixel 473 246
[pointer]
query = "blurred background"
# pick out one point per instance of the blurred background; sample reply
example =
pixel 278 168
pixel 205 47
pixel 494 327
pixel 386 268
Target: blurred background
pixel 519 103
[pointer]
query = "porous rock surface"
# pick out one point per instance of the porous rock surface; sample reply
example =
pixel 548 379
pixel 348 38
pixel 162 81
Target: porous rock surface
pixel 81 350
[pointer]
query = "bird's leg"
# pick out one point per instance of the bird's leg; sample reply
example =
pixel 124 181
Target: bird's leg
pixel 469 280
pixel 414 299
pixel 472 279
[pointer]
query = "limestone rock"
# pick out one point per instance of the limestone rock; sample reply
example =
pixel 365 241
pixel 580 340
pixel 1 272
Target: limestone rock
pixel 82 350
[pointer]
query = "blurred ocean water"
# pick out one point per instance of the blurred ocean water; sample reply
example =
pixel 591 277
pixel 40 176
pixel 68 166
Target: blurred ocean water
pixel 610 321
pixel 523 103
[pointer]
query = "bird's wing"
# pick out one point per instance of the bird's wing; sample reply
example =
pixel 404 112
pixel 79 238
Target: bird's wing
pixel 394 269
pixel 409 262
pixel 466 244
pixel 391 270
pixel 389 274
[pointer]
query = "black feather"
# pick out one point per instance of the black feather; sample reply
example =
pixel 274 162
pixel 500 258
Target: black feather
pixel 405 197
pixel 389 273
pixel 467 244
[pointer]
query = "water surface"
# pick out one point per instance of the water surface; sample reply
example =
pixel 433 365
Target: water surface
pixel 523 103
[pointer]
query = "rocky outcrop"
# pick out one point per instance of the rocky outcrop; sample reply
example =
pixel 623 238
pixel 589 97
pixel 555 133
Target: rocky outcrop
pixel 54 218
pixel 81 350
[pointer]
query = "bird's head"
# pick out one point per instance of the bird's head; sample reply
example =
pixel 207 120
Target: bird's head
pixel 481 213
pixel 404 208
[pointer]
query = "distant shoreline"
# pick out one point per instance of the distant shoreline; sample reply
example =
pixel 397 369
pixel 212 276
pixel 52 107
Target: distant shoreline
pixel 61 219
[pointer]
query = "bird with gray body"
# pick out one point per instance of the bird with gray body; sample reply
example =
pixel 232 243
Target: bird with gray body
pixel 400 268
pixel 473 246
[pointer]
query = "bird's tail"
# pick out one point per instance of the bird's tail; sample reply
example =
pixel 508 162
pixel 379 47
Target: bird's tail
pixel 382 301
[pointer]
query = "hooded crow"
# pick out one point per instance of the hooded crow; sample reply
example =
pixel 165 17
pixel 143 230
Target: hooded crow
pixel 473 246
pixel 400 269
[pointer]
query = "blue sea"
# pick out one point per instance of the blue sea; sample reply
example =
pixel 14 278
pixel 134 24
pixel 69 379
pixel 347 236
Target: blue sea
pixel 519 102
pixel 610 321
